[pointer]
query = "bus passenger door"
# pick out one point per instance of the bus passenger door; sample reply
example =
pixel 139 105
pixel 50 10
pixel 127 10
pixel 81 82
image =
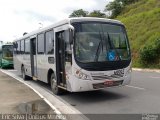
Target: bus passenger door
pixel 33 58
pixel 62 58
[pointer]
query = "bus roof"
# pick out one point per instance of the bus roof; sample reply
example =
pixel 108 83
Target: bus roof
pixel 69 21
pixel 80 19
pixel 7 44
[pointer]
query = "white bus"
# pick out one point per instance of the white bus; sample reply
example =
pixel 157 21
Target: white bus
pixel 76 54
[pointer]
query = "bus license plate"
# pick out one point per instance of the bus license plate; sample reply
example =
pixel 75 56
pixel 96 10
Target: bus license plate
pixel 109 83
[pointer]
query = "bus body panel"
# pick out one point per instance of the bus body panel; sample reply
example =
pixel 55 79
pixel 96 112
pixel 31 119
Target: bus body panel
pixel 43 66
pixel 27 64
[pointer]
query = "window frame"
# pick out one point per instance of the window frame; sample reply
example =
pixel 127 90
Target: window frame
pixel 22 52
pixel 46 52
pixel 26 47
pixel 18 49
pixel 42 33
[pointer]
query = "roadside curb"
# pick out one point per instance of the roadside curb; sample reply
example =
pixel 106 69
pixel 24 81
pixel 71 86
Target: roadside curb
pixel 146 70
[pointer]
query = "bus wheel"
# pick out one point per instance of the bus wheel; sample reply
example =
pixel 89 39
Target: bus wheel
pixel 55 89
pixel 23 73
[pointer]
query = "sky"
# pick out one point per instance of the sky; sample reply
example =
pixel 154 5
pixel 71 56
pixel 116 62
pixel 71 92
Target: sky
pixel 19 16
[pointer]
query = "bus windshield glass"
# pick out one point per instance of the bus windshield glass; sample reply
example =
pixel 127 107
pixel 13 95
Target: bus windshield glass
pixel 7 51
pixel 100 42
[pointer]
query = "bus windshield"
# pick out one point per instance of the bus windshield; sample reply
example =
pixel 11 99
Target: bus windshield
pixel 7 51
pixel 100 42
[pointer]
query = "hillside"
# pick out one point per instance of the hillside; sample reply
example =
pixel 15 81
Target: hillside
pixel 142 20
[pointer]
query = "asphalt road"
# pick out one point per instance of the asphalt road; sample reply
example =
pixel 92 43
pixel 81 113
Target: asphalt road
pixel 140 97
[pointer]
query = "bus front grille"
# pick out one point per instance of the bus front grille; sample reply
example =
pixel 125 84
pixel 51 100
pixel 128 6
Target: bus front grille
pixel 104 77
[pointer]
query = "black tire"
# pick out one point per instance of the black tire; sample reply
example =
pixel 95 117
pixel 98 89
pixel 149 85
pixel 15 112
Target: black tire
pixel 24 76
pixel 55 89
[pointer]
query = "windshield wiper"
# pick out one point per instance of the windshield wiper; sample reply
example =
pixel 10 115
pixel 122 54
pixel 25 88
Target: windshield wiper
pixel 112 45
pixel 98 48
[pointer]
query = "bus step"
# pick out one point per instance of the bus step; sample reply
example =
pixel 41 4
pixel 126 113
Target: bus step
pixel 34 78
pixel 62 84
pixel 62 87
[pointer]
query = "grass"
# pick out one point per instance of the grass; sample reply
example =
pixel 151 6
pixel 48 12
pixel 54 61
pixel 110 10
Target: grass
pixel 142 21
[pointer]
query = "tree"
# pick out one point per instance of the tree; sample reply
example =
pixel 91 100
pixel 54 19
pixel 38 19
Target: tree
pixel 97 13
pixel 115 7
pixel 79 13
pixel 127 2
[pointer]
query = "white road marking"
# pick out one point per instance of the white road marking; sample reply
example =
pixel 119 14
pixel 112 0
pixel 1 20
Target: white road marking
pixel 136 87
pixel 146 70
pixel 12 70
pixel 154 77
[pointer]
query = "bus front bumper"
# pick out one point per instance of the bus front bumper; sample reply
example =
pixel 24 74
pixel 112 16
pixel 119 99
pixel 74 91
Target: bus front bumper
pixel 79 85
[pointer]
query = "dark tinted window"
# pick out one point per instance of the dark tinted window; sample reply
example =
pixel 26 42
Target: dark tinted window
pixel 7 51
pixel 22 46
pixel 49 42
pixel 27 46
pixel 101 42
pixel 33 46
pixel 40 44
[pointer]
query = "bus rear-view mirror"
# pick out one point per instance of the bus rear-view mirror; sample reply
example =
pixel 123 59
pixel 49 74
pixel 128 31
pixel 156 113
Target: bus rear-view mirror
pixel 15 45
pixel 71 36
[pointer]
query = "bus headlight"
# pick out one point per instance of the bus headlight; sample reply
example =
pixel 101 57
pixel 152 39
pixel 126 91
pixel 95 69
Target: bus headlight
pixel 81 75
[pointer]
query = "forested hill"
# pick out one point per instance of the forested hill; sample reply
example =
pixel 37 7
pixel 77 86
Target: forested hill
pixel 142 20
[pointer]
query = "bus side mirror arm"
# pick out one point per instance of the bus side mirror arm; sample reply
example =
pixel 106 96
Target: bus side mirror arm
pixel 71 34
pixel 71 37
pixel 15 45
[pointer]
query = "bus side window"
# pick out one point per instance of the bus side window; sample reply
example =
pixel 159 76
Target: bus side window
pixel 18 47
pixel 22 46
pixel 27 46
pixel 49 42
pixel 40 43
pixel 34 46
pixel 68 51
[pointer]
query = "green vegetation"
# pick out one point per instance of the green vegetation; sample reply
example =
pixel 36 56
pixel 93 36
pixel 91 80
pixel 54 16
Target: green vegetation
pixel 83 13
pixel 97 13
pixel 149 52
pixel 79 13
pixel 117 6
pixel 142 20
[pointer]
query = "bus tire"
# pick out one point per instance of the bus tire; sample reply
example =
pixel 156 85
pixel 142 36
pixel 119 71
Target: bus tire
pixel 55 89
pixel 24 76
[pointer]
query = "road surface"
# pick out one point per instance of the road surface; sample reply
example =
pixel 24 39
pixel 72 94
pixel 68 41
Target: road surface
pixel 140 97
